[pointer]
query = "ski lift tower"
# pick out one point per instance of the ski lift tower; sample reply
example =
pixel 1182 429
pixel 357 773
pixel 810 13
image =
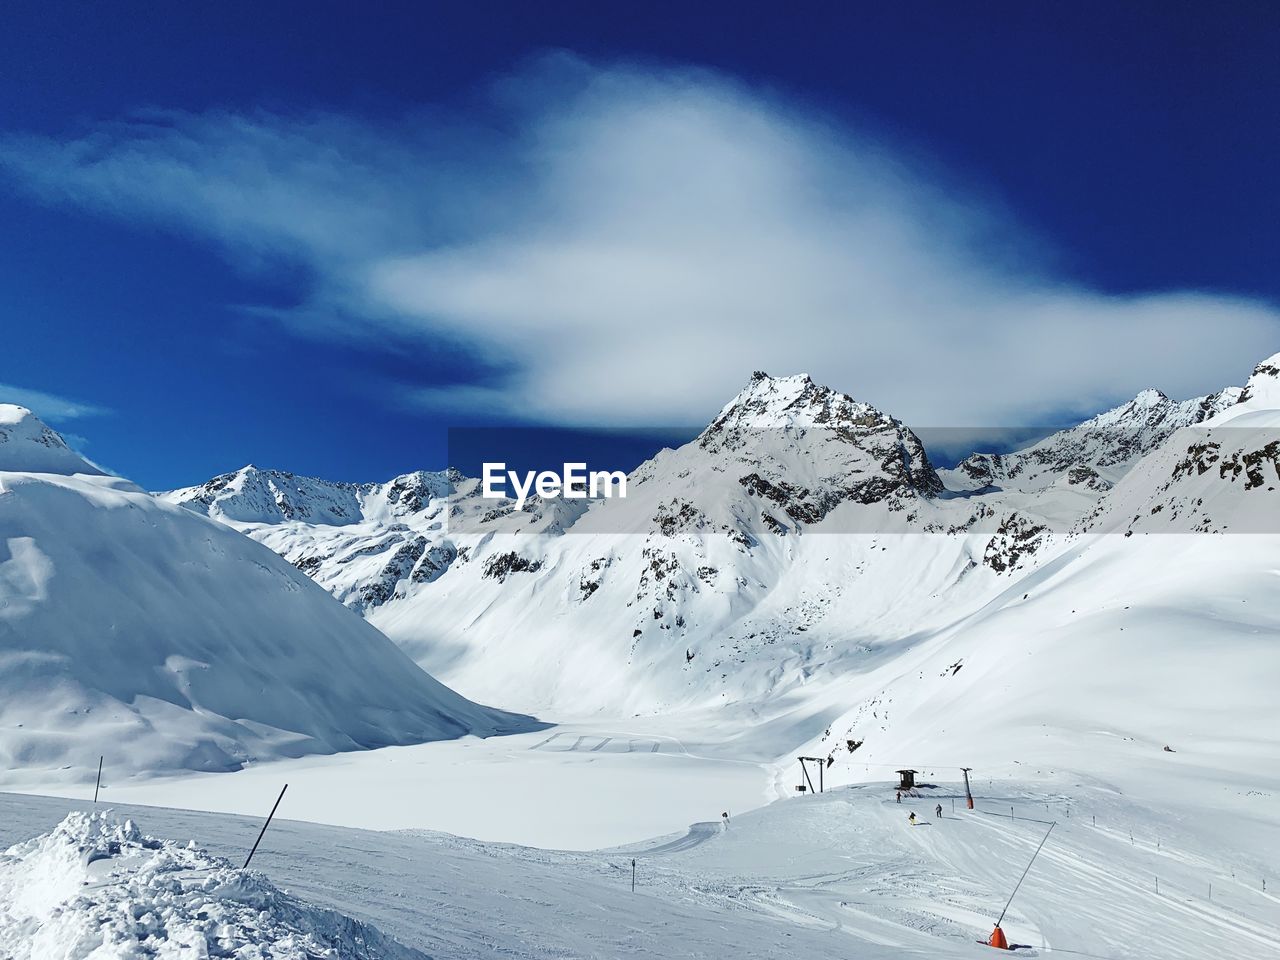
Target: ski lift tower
pixel 804 773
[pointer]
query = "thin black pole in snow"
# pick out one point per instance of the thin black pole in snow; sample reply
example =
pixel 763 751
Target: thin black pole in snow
pixel 98 784
pixel 263 832
pixel 1028 870
pixel 633 874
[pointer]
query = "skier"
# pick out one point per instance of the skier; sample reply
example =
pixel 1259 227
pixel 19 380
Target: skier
pixel 911 819
pixel 937 811
pixel 898 797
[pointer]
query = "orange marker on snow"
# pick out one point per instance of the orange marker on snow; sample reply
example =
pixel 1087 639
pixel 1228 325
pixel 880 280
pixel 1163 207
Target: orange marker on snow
pixel 998 939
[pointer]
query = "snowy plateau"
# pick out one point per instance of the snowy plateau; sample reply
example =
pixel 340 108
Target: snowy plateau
pixel 495 717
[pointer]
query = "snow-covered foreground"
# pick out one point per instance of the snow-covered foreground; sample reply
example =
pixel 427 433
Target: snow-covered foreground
pixel 570 787
pixel 96 886
pixel 840 874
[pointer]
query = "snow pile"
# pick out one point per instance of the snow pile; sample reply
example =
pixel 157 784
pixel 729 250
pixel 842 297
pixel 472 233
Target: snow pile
pixel 136 629
pixel 96 887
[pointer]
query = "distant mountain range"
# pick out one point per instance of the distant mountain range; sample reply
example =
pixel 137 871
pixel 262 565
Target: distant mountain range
pixel 789 559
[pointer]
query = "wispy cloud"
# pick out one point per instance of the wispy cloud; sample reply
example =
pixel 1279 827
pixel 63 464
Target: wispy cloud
pixel 49 406
pixel 625 244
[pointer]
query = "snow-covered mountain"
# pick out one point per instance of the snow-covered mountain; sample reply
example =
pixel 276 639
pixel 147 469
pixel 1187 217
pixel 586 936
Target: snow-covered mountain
pixel 1096 452
pixel 717 579
pixel 358 541
pixel 1221 477
pixel 168 641
pixel 803 538
pixel 251 495
pixel 796 580
pixel 1149 626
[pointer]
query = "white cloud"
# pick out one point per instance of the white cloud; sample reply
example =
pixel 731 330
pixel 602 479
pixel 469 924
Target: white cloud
pixel 626 245
pixel 48 406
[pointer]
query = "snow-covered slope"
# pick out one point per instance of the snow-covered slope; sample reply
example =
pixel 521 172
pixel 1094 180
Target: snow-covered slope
pixel 167 641
pixel 837 875
pixel 1096 452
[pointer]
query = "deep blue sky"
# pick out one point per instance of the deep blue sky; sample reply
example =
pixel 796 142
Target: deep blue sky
pixel 1141 139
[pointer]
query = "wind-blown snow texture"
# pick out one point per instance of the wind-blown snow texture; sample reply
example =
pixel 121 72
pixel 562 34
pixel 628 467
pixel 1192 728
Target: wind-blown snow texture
pixel 133 628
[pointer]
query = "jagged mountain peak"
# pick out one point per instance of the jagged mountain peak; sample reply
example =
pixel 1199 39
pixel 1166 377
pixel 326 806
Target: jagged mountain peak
pixel 1150 397
pixel 29 445
pixel 773 413
pixel 805 448
pixel 793 401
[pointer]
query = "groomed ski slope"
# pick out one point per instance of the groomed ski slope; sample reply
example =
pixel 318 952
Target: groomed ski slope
pixel 839 875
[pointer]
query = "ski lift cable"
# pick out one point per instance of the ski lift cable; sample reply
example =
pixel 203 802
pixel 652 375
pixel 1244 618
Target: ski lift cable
pixel 1026 871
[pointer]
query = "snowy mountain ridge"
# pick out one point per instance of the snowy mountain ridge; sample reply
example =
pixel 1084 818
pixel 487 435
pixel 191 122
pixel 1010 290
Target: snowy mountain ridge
pixel 1220 477
pixel 252 495
pixel 1097 451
